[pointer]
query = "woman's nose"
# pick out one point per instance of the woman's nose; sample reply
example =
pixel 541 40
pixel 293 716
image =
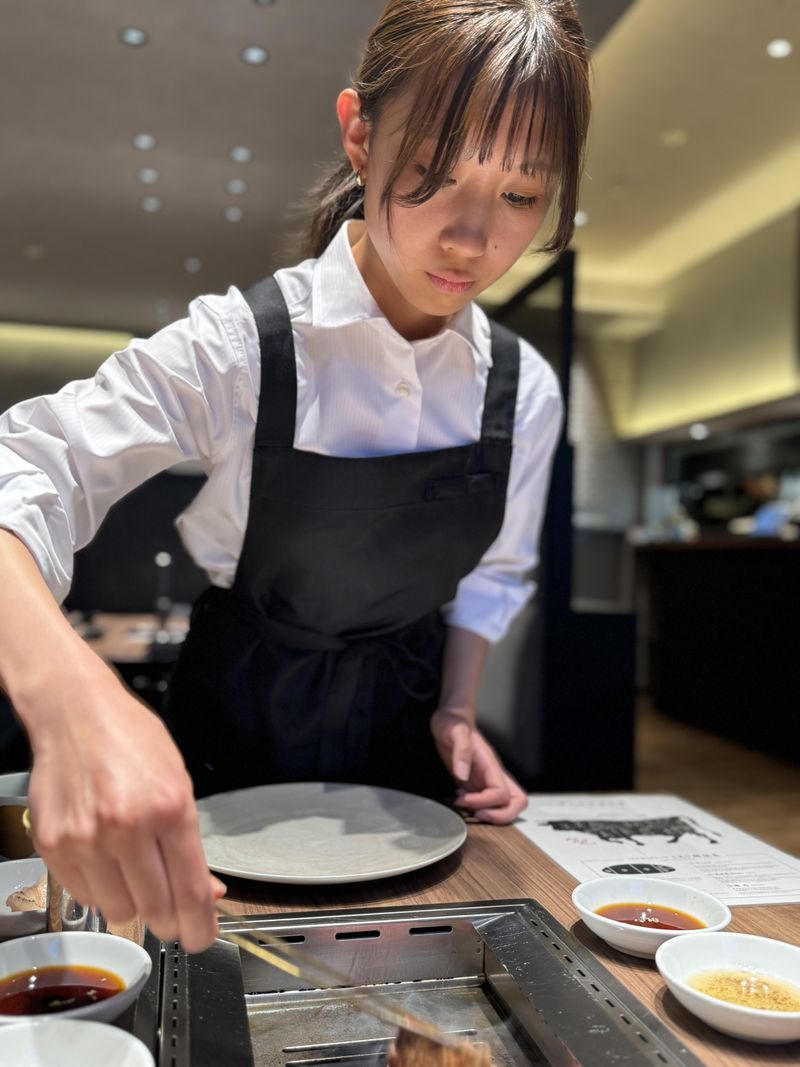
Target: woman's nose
pixel 465 235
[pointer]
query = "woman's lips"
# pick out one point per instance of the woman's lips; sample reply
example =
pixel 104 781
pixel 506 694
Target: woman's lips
pixel 449 285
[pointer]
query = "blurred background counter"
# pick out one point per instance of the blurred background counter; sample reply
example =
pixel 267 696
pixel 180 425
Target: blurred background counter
pixel 718 636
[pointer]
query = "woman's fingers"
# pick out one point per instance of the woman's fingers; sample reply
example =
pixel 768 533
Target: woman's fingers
pixel 495 796
pixel 505 812
pixel 146 876
pixel 452 733
pixel 107 887
pixel 193 888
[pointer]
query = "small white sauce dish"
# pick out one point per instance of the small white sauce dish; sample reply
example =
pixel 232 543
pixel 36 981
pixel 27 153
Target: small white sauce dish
pixel 14 875
pixel 71 1043
pixel 679 961
pixel 641 940
pixel 79 949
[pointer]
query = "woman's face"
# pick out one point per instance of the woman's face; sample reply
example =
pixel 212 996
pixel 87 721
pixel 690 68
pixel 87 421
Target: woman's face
pixel 443 253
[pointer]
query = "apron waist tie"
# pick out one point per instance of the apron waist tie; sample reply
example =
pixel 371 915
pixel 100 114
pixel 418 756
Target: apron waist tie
pixel 391 646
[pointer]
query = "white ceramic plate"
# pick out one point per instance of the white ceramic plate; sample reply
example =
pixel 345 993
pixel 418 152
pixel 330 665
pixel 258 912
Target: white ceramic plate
pixel 71 1043
pixel 75 949
pixel 14 874
pixel 317 833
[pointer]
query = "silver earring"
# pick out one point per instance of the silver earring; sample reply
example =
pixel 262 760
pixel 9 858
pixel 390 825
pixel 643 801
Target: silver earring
pixel 359 180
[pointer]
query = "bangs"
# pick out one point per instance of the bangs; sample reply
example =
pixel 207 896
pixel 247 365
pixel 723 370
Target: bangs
pixel 459 104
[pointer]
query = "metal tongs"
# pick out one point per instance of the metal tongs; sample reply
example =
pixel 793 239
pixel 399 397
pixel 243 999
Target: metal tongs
pixel 319 975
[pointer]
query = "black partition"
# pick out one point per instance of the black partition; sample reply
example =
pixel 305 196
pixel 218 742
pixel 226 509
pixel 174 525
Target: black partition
pixel 558 699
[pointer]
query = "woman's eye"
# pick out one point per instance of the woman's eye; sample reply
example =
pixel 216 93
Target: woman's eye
pixel 516 200
pixel 422 171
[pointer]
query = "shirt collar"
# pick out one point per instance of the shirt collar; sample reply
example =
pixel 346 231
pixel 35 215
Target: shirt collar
pixel 340 296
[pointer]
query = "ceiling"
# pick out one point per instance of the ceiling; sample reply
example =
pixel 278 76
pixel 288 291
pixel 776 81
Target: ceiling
pixel 79 250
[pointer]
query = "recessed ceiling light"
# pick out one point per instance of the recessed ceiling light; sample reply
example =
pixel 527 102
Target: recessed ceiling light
pixel 151 204
pixel 192 265
pixel 265 3
pixel 233 214
pixel 254 55
pixel 133 36
pixel 236 186
pixel 240 154
pixel 698 431
pixel 144 141
pixel 780 48
pixel 674 138
pixel 581 218
pixel 33 251
pixel 148 176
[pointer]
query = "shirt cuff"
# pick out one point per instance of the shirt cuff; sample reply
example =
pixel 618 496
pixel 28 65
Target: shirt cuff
pixel 487 604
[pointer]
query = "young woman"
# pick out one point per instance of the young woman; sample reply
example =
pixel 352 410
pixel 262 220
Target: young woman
pixel 377 456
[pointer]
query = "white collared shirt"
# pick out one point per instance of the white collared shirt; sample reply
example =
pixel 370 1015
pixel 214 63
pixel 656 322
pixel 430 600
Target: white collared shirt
pixel 190 392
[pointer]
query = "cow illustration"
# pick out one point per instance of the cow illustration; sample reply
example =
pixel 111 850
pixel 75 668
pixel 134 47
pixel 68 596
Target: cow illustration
pixel 673 827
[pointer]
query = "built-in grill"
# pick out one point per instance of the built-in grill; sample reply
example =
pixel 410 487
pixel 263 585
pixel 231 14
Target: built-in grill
pixel 506 973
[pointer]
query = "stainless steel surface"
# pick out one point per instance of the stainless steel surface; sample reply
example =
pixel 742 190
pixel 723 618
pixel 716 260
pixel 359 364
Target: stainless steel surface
pixel 501 972
pixel 312 972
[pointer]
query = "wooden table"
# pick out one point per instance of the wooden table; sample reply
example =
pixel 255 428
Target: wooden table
pixel 498 862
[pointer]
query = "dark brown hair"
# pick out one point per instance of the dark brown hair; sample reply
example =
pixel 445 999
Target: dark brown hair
pixel 468 60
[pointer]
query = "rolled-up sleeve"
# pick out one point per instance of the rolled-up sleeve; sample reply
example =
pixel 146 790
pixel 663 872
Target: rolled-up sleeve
pixel 488 598
pixel 66 458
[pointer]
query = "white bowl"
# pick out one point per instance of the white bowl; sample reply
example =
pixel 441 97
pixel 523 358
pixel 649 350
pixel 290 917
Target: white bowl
pixel 680 960
pixel 71 1043
pixel 639 940
pixel 79 948
pixel 14 875
pixel 15 785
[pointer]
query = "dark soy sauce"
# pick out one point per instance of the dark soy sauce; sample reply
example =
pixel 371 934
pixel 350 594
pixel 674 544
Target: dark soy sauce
pixel 651 916
pixel 46 990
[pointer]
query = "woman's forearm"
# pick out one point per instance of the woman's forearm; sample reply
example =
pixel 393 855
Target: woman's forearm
pixel 462 669
pixel 39 650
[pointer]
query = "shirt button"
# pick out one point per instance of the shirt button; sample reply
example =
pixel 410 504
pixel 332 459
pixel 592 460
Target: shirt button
pixel 403 389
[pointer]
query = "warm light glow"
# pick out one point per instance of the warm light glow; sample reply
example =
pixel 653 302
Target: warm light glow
pixel 22 344
pixel 780 48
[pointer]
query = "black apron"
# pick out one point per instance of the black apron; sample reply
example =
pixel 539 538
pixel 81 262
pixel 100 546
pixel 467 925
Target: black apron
pixel 323 662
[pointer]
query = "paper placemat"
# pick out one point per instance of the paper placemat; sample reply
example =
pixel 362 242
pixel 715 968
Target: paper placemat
pixel 593 835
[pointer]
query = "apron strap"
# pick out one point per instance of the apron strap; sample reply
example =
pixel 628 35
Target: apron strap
pixel 277 399
pixel 500 403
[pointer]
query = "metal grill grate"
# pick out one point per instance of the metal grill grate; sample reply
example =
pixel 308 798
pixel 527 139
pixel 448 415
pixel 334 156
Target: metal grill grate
pixel 506 973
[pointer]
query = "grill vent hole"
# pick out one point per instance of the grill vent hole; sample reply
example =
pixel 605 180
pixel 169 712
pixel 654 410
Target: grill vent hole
pixel 415 930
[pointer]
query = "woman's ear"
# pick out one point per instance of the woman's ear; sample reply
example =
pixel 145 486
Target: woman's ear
pixel 355 132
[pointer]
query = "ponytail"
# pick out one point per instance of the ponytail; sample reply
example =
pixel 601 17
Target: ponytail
pixel 334 198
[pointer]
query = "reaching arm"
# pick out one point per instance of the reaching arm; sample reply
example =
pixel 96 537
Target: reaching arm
pixel 111 802
pixel 485 787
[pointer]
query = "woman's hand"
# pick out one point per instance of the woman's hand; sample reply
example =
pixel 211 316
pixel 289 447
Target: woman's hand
pixel 113 810
pixel 486 788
